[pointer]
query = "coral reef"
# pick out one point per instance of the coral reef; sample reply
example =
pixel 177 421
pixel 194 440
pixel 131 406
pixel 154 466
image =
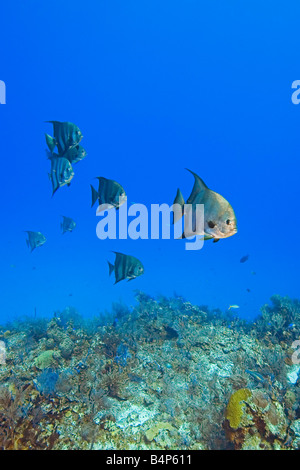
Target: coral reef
pixel 165 374
pixel 234 410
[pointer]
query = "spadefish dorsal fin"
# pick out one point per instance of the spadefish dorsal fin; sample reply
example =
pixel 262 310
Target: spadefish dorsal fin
pixel 111 267
pixel 178 200
pixel 51 142
pixel 199 186
pixel 95 195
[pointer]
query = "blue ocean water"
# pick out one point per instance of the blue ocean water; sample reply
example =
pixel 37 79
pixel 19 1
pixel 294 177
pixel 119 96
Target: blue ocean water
pixel 155 87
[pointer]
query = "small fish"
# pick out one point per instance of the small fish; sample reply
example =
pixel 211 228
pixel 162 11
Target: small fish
pixel 35 239
pixel 255 375
pixel 233 306
pixel 66 136
pixel 125 267
pixel 219 217
pixel 67 224
pixel 61 172
pixel 75 154
pixel 248 290
pixel 244 259
pixel 110 193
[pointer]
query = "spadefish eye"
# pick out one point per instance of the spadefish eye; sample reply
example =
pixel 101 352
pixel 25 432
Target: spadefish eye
pixel 228 222
pixel 211 224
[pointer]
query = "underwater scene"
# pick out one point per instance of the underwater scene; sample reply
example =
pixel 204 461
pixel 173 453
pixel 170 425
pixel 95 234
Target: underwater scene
pixel 149 247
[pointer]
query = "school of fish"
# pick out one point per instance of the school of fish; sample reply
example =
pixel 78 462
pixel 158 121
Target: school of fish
pixel 219 217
